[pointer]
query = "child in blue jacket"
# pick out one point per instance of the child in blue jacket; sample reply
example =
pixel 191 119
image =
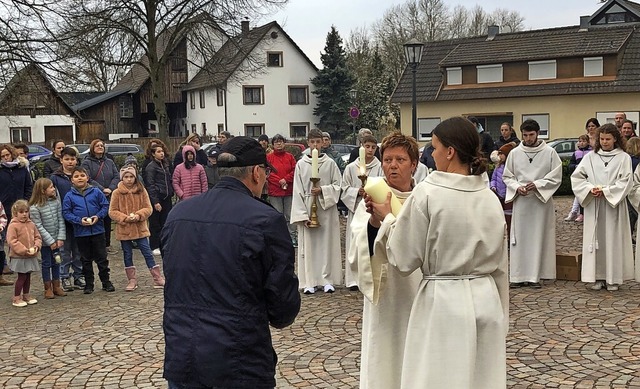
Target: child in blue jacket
pixel 85 207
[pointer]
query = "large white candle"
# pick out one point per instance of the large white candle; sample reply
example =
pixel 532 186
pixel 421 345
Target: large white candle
pixel 314 163
pixel 363 161
pixel 377 188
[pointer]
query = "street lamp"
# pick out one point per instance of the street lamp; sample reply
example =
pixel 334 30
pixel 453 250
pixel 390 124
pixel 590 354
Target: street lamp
pixel 354 112
pixel 413 55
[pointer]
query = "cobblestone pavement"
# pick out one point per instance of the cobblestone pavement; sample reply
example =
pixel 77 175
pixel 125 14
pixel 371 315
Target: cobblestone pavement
pixel 562 336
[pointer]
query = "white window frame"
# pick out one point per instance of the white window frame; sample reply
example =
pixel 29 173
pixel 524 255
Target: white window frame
pixel 20 134
pixel 489 73
pixel 454 76
pixel 543 70
pixel 298 124
pixel 543 120
pixel 426 126
pixel 593 66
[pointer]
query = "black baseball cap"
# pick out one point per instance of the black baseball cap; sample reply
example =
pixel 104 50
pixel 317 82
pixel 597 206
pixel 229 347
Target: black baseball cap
pixel 248 152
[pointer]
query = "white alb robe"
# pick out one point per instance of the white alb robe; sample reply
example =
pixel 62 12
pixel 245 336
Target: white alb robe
pixel 319 258
pixel 452 228
pixel 634 198
pixel 387 304
pixel 607 251
pixel 351 184
pixel 533 224
pixel 422 171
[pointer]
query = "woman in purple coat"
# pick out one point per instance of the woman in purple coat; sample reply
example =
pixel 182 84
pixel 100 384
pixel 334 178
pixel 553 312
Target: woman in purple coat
pixel 497 184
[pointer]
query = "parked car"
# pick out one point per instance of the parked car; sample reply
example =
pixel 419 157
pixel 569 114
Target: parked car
pixel 208 146
pixel 81 147
pixel 37 153
pixel 343 149
pixel 118 149
pixel 565 147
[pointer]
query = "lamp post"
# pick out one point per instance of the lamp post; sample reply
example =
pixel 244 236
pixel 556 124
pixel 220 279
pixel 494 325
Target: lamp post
pixel 413 55
pixel 354 112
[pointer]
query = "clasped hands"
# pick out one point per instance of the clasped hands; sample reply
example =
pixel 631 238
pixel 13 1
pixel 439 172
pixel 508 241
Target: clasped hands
pixel 89 221
pixel 525 189
pixel 597 191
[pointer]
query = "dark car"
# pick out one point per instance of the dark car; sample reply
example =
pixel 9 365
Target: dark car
pixel 118 149
pixel 343 149
pixel 565 147
pixel 36 152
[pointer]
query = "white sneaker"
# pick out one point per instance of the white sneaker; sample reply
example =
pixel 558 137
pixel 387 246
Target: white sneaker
pixel 598 285
pixel 572 216
pixel 612 287
pixel 309 290
pixel 328 288
pixel 156 252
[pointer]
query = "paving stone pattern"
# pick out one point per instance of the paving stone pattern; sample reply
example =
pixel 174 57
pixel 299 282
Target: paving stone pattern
pixel 562 336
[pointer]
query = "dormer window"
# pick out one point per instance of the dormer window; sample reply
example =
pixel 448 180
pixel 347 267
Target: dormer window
pixel 489 73
pixel 454 76
pixel 542 70
pixel 593 67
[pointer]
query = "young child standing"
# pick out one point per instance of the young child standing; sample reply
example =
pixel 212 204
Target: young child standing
pixel 46 213
pixel 85 207
pixel 25 243
pixel 584 146
pixel 130 207
pixel 497 183
pixel 189 177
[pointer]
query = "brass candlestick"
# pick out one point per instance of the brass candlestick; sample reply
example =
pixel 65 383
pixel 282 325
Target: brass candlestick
pixel 314 223
pixel 363 179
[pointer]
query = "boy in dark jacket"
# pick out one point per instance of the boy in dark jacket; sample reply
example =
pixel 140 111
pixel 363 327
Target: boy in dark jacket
pixel 85 207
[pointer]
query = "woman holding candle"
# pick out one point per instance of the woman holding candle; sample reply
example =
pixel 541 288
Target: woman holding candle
pixel 388 295
pixel 319 261
pixel 456 332
pixel 367 165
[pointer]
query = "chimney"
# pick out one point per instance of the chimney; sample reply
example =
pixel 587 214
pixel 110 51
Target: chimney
pixel 584 23
pixel 493 31
pixel 245 26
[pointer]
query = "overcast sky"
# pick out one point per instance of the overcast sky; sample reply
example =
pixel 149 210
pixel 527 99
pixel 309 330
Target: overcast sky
pixel 309 21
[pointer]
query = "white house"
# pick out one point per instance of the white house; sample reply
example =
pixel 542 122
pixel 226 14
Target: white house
pixel 258 83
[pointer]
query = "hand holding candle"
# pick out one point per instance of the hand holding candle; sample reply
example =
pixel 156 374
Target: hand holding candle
pixel 314 163
pixel 377 188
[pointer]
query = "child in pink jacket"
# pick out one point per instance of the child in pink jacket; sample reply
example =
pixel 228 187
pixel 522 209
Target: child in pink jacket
pixel 189 177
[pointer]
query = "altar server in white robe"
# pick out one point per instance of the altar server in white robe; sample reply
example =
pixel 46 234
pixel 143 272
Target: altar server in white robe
pixel 422 171
pixel 532 174
pixel 601 183
pixel 388 295
pixel 352 192
pixel 452 228
pixel 319 258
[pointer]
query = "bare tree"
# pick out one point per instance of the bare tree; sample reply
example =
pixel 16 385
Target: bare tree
pixel 121 34
pixel 459 22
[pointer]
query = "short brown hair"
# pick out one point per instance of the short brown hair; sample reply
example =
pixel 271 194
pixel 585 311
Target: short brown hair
pixel 398 139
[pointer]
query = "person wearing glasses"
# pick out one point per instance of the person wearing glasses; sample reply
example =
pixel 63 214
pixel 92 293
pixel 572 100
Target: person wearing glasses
pixel 192 140
pixel 280 183
pixel 222 293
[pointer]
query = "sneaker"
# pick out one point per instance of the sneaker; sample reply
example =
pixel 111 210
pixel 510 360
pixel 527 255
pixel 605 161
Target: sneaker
pixel 17 301
pixel 598 285
pixel 107 286
pixel 66 285
pixel 328 288
pixel 29 300
pixel 612 287
pixel 309 290
pixel 535 285
pixel 580 219
pixel 156 252
pixel 88 289
pixel 294 241
pixel 79 282
pixel 111 251
pixel 572 216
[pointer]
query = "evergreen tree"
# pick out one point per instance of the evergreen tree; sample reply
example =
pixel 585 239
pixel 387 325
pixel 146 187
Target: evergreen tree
pixel 332 86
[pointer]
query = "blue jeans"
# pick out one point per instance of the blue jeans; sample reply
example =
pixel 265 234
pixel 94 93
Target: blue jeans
pixel 145 249
pixel 70 256
pixel 50 269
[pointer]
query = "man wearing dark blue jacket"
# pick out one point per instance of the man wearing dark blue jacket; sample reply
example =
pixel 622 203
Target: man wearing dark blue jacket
pixel 229 269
